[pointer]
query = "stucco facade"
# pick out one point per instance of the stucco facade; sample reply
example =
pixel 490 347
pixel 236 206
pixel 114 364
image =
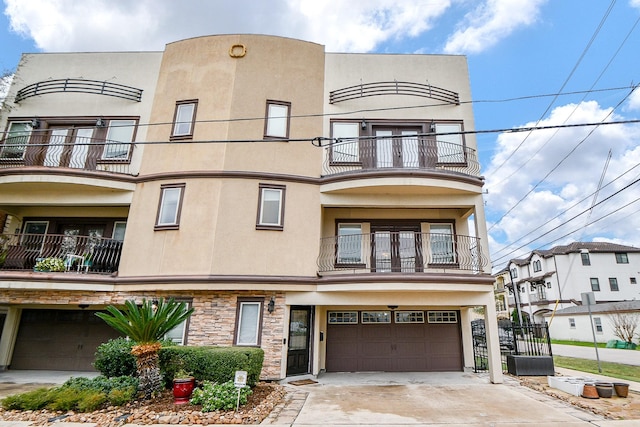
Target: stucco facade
pixel 299 200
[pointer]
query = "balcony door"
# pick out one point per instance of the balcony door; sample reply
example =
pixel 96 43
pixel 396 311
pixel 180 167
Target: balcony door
pixel 396 248
pixel 68 147
pixel 396 147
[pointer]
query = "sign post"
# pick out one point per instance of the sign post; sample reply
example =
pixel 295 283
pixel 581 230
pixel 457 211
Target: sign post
pixel 240 381
pixel 589 298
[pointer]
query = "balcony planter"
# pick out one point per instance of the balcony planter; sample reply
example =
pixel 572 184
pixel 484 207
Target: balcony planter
pixel 183 385
pixel 50 264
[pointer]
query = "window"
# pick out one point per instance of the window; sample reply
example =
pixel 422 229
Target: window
pixel 343 317
pixel 622 258
pixel 15 144
pixel 595 284
pixel 537 266
pixel 514 273
pixel 376 317
pixel 441 240
pixel 585 258
pixel 184 119
pixel 119 227
pixel 178 335
pixel 442 316
pixel 409 316
pixel 450 145
pixel 277 119
pixel 613 284
pixel 345 148
pixel 598 324
pixel 271 207
pixel 349 244
pixel 170 206
pixel 117 143
pixel 633 280
pixel 248 322
pixel 572 323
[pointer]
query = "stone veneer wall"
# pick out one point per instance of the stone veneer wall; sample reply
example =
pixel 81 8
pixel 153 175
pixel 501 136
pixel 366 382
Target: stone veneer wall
pixel 212 323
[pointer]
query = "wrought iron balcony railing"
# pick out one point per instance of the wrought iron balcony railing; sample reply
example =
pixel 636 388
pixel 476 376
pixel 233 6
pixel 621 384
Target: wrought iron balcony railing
pixel 89 254
pixel 79 86
pixel 83 153
pixel 400 252
pixel 415 153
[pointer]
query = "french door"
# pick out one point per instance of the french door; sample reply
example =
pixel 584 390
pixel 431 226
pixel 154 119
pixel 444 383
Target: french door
pixel 68 147
pixel 397 147
pixel 396 248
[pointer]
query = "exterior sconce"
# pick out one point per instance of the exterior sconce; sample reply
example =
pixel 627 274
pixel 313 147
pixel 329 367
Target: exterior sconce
pixel 100 123
pixel 363 124
pixel 392 307
pixel 271 307
pixel 35 123
pixel 83 306
pixel 432 127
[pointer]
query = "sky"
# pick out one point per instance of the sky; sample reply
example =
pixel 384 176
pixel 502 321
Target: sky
pixel 532 63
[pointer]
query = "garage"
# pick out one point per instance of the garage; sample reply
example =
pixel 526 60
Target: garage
pixel 64 340
pixel 394 341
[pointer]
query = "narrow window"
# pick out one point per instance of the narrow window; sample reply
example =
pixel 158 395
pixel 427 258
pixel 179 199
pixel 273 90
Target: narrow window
pixel 271 207
pixel 349 244
pixel 441 241
pixel 613 284
pixel 178 335
pixel 119 227
pixel 595 284
pixel 277 119
pixel 598 324
pixel 184 119
pixel 537 266
pixel 622 258
pixel 585 258
pixel 248 320
pixel 15 144
pixel 338 317
pixel 514 273
pixel 572 323
pixel 345 147
pixel 170 206
pixel 633 280
pixel 449 143
pixel 117 143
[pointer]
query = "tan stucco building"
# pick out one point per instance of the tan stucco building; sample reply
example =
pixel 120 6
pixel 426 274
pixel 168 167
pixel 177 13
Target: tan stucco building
pixel 326 207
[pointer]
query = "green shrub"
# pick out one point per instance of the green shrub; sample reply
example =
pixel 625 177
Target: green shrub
pixel 61 399
pixel 30 401
pixel 216 364
pixel 214 397
pixel 120 396
pixel 114 358
pixel 91 400
pixel 101 383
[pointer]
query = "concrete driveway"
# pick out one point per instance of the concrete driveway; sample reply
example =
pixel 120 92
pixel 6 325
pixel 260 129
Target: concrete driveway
pixel 429 399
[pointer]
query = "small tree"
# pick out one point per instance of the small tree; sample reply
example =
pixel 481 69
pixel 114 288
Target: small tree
pixel 624 324
pixel 147 324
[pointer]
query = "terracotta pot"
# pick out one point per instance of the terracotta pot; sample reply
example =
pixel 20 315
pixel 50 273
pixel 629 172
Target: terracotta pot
pixel 182 389
pixel 604 389
pixel 589 391
pixel 622 389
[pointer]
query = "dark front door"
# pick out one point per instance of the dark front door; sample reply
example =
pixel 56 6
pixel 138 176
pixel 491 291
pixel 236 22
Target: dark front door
pixel 299 341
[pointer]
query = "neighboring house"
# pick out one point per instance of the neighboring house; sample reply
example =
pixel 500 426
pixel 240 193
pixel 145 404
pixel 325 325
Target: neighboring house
pixel 573 323
pixel 325 207
pixel 556 278
pixel 501 291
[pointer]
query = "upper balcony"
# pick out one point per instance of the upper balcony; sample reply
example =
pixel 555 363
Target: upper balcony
pixel 399 154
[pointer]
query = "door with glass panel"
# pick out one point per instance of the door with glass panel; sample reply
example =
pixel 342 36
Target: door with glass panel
pixel 397 147
pixel 299 340
pixel 68 147
pixel 396 248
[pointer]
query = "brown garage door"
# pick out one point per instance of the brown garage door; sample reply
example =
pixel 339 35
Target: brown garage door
pixel 64 340
pixel 411 341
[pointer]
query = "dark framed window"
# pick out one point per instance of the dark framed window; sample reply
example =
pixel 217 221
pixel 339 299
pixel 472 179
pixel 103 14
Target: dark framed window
pixel 633 280
pixel 248 322
pixel 514 273
pixel 346 145
pixel 15 143
pixel 595 284
pixel 170 206
pixel 349 244
pixel 537 266
pixel 622 258
pixel 585 258
pixel 277 119
pixel 613 284
pixel 184 119
pixel 597 322
pixel 270 207
pixel 117 144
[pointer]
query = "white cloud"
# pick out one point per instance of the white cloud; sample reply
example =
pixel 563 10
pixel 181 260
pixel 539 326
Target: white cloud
pixel 635 3
pixel 634 99
pixel 490 22
pixel 568 190
pixel 94 25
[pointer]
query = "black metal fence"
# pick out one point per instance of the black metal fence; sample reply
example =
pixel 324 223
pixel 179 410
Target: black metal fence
pixel 528 340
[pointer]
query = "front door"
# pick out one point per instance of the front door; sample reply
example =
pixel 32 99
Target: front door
pixel 299 341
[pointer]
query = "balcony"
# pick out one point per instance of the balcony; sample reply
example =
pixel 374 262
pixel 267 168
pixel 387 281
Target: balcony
pixel 348 156
pixel 83 153
pixel 87 254
pixel 400 252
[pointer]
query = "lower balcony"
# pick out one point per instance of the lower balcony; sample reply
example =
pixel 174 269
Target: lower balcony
pixel 400 252
pixel 54 252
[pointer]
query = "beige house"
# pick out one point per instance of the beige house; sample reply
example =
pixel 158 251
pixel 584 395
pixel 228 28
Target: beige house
pixel 325 207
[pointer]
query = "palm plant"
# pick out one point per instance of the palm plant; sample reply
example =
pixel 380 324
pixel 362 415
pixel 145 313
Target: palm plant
pixel 146 324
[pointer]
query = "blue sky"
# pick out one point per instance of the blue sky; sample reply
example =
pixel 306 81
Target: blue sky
pixel 540 186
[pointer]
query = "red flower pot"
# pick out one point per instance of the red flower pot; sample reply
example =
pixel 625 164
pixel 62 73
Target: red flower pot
pixel 182 389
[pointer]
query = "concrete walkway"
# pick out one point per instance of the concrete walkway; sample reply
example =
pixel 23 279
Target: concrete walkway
pixel 615 355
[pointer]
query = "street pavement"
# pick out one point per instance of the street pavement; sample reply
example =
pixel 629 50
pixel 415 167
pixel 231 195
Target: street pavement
pixel 615 355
